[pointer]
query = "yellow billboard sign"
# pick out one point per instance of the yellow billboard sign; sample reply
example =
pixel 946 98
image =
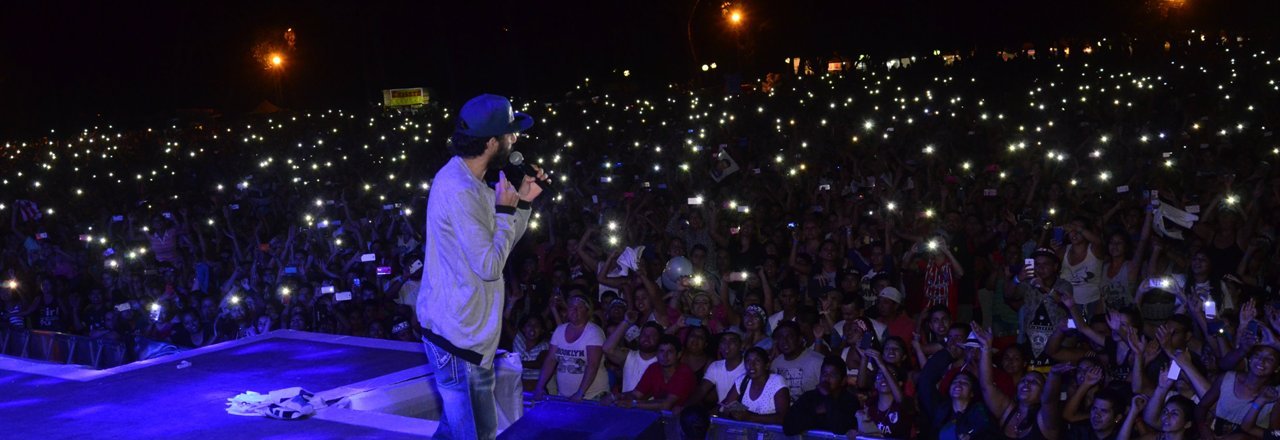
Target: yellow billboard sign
pixel 404 97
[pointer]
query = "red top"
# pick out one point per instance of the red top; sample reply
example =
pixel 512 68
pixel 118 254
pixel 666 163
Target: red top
pixel 901 326
pixel 681 384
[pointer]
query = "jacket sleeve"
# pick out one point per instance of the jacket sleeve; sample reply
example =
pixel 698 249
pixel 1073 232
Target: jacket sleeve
pixel 485 249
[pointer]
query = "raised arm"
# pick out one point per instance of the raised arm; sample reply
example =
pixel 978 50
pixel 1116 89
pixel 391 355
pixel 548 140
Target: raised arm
pixel 485 251
pixel 932 403
pixel 616 353
pixel 1050 398
pixel 1131 419
pixel 1073 413
pixel 995 399
pixel 881 368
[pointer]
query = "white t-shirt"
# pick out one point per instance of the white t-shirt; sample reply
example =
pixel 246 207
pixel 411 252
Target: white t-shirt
pixel 723 379
pixel 571 362
pixel 763 405
pixel 774 319
pixel 633 369
pixel 801 373
pixel 1086 278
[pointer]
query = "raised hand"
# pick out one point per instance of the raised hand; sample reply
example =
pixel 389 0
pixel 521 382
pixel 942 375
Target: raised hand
pixel 1113 320
pixel 1248 312
pixel 1165 382
pixel 1164 337
pixel 984 336
pixel 1093 376
pixel 1139 402
pixel 529 188
pixel 506 194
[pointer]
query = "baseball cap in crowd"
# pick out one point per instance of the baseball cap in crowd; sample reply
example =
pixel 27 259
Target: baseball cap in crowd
pixel 891 293
pixel 1046 252
pixel 491 115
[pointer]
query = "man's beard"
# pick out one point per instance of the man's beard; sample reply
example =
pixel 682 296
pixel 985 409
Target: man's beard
pixel 501 157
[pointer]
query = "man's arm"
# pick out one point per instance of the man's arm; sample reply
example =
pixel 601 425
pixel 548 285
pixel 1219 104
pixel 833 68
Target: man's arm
pixel 612 350
pixel 486 250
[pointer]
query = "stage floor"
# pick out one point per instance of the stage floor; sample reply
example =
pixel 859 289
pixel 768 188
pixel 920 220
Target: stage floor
pixel 155 399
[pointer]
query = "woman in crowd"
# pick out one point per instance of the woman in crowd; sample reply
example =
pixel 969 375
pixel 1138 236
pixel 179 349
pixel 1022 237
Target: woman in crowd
pixel 576 358
pixel 1224 407
pixel 1033 413
pixel 532 345
pixel 888 406
pixel 756 328
pixel 761 396
pixel 959 413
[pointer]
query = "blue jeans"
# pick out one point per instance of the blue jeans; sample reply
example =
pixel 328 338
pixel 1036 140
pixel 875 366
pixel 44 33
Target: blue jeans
pixel 467 406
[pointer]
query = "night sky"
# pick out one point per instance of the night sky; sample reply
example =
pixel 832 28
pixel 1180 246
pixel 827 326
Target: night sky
pixel 65 65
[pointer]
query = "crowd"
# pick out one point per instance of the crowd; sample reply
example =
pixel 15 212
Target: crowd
pixel 1076 243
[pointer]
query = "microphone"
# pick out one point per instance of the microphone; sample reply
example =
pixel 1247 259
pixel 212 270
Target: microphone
pixel 517 160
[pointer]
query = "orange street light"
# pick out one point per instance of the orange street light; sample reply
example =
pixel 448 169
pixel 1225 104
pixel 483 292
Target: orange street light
pixel 735 17
pixel 276 60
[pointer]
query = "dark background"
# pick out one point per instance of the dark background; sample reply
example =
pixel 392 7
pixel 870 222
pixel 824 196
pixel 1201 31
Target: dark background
pixel 64 65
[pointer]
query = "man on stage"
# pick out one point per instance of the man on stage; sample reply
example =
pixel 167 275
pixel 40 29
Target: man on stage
pixel 470 230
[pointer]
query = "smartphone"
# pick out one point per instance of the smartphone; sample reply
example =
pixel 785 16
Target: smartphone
pixel 122 307
pixel 1071 323
pixel 117 218
pixel 155 312
pixel 867 341
pixel 167 215
pixel 737 276
pixel 235 207
pixel 1216 326
pixel 326 289
pixel 355 282
pixel 692 322
pixel 824 187
pixel 791 225
pixel 417 264
pixel 367 258
pixel 384 270
pixel 342 296
pixel 290 270
pixel 1030 263
pixel 1174 371
pixel 695 200
pixel 1210 309
pixel 734 230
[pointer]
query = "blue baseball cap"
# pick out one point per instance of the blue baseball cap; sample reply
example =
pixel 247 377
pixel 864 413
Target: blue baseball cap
pixel 491 115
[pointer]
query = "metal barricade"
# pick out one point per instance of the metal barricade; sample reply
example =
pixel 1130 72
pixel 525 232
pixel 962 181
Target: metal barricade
pixel 63 348
pixel 720 429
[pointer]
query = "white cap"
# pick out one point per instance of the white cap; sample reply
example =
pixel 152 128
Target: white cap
pixel 891 293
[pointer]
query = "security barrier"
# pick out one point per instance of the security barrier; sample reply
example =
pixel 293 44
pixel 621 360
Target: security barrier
pixel 720 429
pixel 64 348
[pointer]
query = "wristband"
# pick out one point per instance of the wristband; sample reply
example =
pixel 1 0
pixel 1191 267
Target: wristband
pixel 522 204
pixel 1255 405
